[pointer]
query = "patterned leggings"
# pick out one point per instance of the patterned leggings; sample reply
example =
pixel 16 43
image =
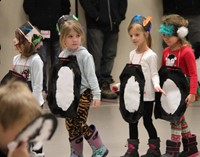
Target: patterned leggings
pixel 179 128
pixel 77 126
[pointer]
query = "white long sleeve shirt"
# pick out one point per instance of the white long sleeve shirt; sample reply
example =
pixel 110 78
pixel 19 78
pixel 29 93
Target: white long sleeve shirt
pixel 34 65
pixel 148 62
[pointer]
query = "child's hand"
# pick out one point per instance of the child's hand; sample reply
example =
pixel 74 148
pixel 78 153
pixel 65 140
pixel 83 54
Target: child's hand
pixel 115 87
pixel 190 99
pixel 96 103
pixel 158 89
pixel 19 151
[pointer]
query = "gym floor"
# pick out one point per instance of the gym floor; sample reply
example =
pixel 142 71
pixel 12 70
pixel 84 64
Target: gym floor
pixel 114 131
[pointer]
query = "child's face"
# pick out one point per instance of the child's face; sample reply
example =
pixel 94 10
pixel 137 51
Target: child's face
pixel 72 40
pixel 8 135
pixel 171 41
pixel 137 37
pixel 17 45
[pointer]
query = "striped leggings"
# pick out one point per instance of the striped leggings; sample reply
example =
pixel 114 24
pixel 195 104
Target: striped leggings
pixel 77 126
pixel 179 128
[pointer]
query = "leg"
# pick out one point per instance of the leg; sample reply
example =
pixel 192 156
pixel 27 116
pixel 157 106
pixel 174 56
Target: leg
pixel 154 140
pixel 95 142
pixel 189 141
pixel 133 142
pixel 108 55
pixel 147 119
pixel 95 39
pixel 90 133
pixel 173 145
pixel 95 44
pixel 77 126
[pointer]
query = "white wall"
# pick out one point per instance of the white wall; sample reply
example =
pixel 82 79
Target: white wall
pixel 12 16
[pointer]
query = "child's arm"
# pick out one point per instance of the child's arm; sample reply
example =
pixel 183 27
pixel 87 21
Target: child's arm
pixel 37 79
pixel 96 103
pixel 190 99
pixel 19 151
pixel 158 89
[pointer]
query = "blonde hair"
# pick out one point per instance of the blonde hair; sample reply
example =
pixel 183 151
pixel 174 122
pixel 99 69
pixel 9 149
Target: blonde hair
pixel 67 26
pixel 178 21
pixel 29 47
pixel 139 27
pixel 17 105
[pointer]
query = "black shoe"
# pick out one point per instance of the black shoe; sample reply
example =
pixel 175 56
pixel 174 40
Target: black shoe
pixel 106 92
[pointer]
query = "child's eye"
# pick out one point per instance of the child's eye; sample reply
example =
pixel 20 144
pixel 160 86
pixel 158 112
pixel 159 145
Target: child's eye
pixel 69 36
pixel 78 35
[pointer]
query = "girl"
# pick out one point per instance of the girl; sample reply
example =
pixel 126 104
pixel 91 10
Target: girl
pixel 174 31
pixel 139 32
pixel 28 63
pixel 71 36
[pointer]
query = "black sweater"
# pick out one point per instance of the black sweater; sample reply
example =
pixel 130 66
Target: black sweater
pixel 181 7
pixel 44 13
pixel 109 13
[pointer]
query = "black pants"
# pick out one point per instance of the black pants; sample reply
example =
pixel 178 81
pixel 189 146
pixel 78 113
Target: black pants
pixel 148 122
pixel 103 47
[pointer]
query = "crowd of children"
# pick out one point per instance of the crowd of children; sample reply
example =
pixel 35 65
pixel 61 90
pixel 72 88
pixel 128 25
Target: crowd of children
pixel 143 60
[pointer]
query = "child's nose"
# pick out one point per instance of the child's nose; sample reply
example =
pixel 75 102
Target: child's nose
pixel 15 41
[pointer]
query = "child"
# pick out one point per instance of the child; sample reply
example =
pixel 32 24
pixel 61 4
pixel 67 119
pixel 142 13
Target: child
pixel 174 31
pixel 139 32
pixel 28 63
pixel 16 100
pixel 71 36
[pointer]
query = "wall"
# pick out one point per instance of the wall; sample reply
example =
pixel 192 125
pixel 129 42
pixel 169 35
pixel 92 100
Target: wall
pixel 12 16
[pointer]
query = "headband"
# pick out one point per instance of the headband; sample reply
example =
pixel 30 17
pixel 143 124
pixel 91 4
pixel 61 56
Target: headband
pixel 62 19
pixel 144 22
pixel 173 30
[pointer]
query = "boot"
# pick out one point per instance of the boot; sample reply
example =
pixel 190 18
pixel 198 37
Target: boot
pixel 106 92
pixel 76 146
pixel 172 149
pixel 95 142
pixel 154 148
pixel 132 148
pixel 189 147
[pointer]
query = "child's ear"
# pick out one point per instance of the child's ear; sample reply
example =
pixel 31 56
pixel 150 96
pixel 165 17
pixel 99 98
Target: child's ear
pixel 146 34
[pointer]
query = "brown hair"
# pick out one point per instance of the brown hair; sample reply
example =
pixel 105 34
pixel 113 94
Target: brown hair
pixel 139 27
pixel 29 47
pixel 67 26
pixel 178 21
pixel 17 105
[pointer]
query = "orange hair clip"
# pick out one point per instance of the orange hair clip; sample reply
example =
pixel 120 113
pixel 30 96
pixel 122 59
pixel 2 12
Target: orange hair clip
pixel 148 19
